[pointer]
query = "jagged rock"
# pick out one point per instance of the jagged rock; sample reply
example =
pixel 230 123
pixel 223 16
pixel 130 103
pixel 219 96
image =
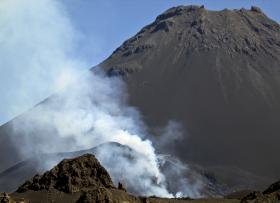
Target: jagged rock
pixel 99 195
pixel 256 9
pixel 5 198
pixel 121 186
pixel 273 188
pixel 81 180
pixel 270 195
pixel 251 196
pixel 262 198
pixel 71 175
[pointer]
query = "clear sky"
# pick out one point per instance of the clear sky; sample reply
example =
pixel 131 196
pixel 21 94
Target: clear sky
pixel 105 24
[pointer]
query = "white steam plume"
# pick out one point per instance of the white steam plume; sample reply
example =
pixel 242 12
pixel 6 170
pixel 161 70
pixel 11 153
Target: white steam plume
pixel 36 45
pixel 89 112
pixel 93 111
pixel 36 41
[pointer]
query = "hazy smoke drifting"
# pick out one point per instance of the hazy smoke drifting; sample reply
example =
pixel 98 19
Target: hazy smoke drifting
pixel 92 111
pixel 88 112
pixel 36 41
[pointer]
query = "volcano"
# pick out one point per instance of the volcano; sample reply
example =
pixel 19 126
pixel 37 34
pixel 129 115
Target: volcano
pixel 215 72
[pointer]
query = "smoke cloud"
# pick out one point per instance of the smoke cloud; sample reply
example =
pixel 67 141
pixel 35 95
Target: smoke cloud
pixel 89 112
pixel 88 109
pixel 92 111
pixel 37 42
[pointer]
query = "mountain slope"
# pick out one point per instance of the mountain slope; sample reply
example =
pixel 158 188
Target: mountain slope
pixel 216 72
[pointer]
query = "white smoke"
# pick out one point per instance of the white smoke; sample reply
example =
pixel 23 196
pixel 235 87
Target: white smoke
pixel 89 112
pixel 167 137
pixel 91 109
pixel 189 183
pixel 36 44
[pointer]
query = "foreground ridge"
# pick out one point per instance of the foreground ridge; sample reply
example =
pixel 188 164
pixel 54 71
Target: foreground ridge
pixel 71 175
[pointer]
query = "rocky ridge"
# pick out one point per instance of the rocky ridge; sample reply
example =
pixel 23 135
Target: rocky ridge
pixel 198 29
pixel 71 175
pixel 271 194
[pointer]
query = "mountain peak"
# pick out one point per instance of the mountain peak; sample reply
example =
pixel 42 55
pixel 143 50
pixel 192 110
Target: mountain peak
pixel 217 72
pixel 193 28
pixel 179 10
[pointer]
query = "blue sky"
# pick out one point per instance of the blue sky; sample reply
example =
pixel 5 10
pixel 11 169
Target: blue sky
pixel 105 24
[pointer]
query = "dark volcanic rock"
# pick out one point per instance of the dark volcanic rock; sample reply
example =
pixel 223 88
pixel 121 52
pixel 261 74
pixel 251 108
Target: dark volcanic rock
pixel 81 180
pixel 216 72
pixel 258 197
pixel 71 175
pixel 12 177
pixel 273 188
pixel 271 194
pixel 100 195
pixel 252 196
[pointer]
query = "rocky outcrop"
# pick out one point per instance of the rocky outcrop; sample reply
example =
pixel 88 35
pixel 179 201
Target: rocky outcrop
pixel 71 175
pixel 85 180
pixel 272 188
pixel 270 195
pixel 99 195
pixel 82 180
